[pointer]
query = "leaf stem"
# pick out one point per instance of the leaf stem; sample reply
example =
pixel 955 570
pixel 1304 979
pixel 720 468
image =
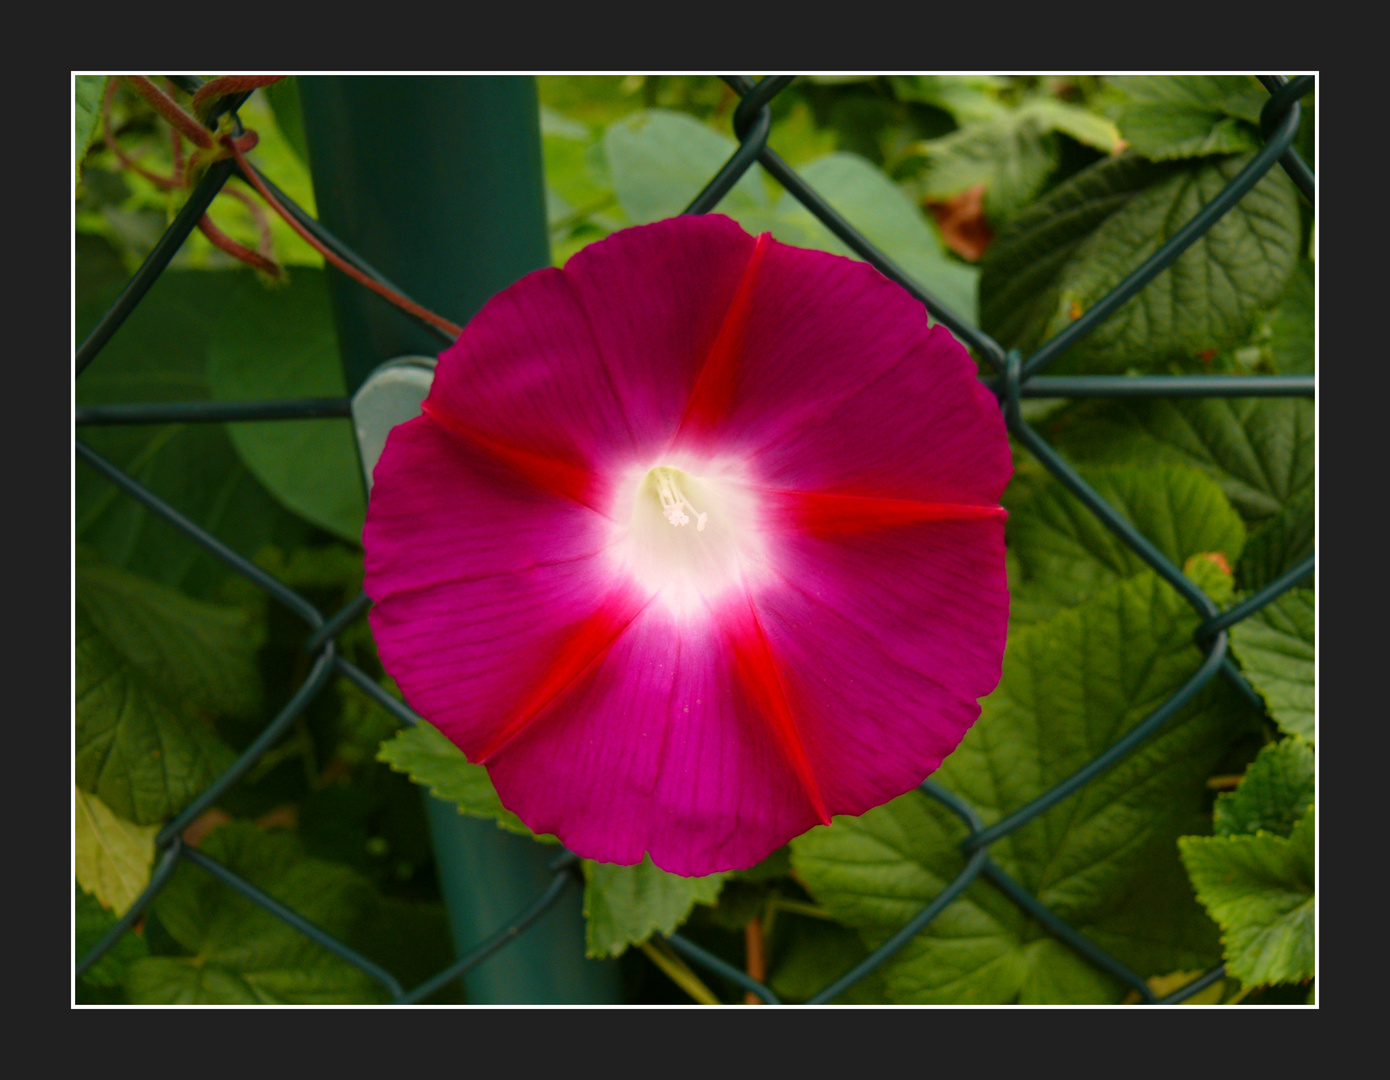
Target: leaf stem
pixel 797 907
pixel 676 969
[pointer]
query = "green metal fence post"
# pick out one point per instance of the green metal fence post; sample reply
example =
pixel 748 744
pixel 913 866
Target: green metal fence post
pixel 437 181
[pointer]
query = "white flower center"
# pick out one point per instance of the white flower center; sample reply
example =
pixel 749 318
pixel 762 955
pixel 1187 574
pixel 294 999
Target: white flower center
pixel 672 495
pixel 685 537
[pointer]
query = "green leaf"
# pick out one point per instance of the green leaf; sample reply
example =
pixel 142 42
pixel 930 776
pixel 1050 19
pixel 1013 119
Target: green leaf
pixel 659 160
pixel 283 98
pixel 1012 154
pixel 1065 253
pixel 1175 116
pixel 1260 890
pixel 1275 650
pixel 159 355
pixel 970 99
pixel 879 209
pixel 1103 859
pixel 810 954
pixel 240 953
pixel 625 905
pixel 1260 450
pixel 1280 544
pixel 426 755
pixel 1081 124
pixel 1273 796
pixel 184 648
pixel 1064 551
pixel 103 981
pixel 280 343
pixel 113 857
pixel 142 756
pixel 1291 326
pixel 88 90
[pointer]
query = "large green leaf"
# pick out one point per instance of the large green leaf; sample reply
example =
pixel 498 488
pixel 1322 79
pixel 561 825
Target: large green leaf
pixel 1064 551
pixel 1260 450
pixel 1280 543
pixel 159 355
pixel 113 857
pixel 879 209
pixel 88 90
pixel 1065 253
pixel 625 905
pixel 1259 888
pixel 280 344
pixel 1275 650
pixel 1274 794
pixel 152 666
pixel 1174 116
pixel 659 160
pixel 186 649
pixel 1103 859
pixel 426 755
pixel 239 953
pixel 144 756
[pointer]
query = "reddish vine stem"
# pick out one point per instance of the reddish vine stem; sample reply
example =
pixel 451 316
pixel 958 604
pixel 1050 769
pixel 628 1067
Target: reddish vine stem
pixel 220 87
pixel 266 245
pixel 165 183
pixel 222 241
pixel 437 321
pixel 176 152
pixel 756 957
pixel 237 147
pixel 168 108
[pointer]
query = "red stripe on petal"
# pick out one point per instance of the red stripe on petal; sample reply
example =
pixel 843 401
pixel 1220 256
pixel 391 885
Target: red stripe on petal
pixel 582 651
pixel 823 513
pixel 761 677
pixel 714 385
pixel 553 474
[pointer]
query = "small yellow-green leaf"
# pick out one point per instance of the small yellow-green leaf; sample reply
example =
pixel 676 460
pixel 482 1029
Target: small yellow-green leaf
pixel 113 855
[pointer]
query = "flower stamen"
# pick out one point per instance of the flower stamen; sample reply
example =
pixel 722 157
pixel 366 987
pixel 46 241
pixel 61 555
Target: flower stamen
pixel 673 500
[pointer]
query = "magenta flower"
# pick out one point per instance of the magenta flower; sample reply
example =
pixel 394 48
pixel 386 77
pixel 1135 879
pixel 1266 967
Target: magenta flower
pixel 696 544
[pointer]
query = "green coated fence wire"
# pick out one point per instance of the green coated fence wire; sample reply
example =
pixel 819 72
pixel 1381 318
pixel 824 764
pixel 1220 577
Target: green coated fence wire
pixel 1017 378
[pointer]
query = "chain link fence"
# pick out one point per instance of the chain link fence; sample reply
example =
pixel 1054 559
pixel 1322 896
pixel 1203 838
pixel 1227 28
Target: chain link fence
pixel 1016 377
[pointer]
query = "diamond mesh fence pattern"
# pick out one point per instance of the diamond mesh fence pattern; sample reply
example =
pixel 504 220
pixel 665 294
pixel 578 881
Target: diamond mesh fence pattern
pixel 1016 377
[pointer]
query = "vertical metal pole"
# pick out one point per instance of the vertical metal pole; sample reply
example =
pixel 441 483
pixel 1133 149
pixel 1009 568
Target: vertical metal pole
pixel 437 181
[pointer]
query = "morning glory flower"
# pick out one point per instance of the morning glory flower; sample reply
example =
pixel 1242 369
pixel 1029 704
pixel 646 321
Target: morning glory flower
pixel 696 544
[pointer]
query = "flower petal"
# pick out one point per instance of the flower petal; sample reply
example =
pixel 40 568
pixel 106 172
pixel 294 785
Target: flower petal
pixel 476 575
pixel 844 385
pixel 659 750
pixel 594 364
pixel 667 303
pixel 886 641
